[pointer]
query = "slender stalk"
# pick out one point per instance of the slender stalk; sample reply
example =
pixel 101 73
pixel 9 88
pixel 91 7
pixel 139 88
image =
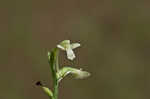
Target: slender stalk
pixel 56 90
pixel 56 86
pixel 53 61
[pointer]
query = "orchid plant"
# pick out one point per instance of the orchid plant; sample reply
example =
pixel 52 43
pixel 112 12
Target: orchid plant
pixel 59 74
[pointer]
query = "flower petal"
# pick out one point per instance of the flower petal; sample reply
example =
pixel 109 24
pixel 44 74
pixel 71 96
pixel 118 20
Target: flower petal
pixel 79 74
pixel 61 47
pixel 75 45
pixel 70 54
pixel 65 42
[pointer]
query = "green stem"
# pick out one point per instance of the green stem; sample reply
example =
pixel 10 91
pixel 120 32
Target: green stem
pixel 56 86
pixel 56 90
pixel 53 61
pixel 57 58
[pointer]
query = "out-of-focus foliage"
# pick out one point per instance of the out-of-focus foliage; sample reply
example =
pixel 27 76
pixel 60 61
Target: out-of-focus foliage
pixel 115 38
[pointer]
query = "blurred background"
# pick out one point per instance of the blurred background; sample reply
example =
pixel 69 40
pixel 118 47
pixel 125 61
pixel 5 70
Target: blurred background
pixel 115 38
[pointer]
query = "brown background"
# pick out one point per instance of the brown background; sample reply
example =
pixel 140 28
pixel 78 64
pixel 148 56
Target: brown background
pixel 115 38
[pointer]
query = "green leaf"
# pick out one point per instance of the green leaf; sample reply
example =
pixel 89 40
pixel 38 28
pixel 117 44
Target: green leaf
pixel 76 73
pixel 47 91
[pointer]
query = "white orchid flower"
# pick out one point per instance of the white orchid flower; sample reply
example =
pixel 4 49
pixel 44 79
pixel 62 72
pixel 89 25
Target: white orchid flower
pixel 66 46
pixel 76 73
